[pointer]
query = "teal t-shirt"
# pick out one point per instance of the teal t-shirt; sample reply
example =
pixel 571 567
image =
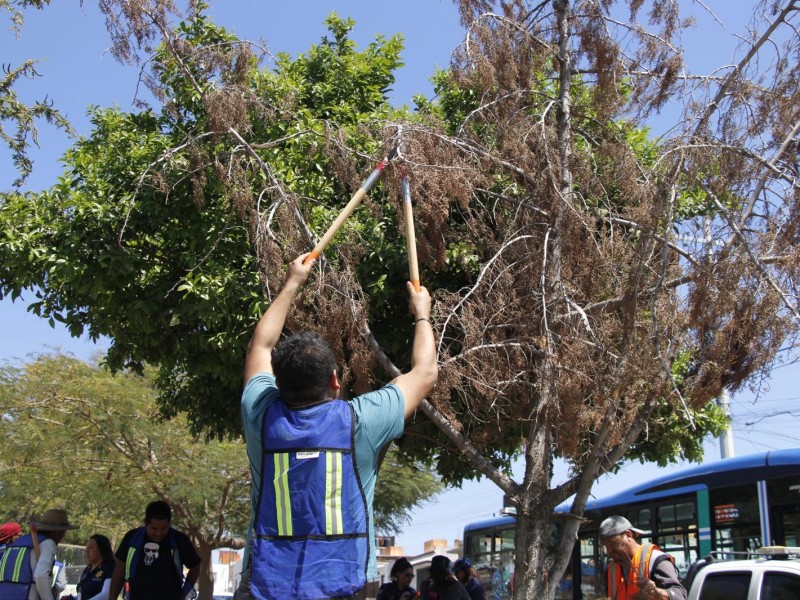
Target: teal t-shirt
pixel 379 420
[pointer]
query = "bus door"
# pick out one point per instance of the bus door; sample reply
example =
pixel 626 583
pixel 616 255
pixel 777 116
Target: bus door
pixel 786 525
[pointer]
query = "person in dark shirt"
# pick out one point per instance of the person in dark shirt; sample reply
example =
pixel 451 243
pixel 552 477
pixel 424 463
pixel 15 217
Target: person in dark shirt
pixel 399 588
pixel 442 585
pixel 95 580
pixel 150 560
pixel 465 572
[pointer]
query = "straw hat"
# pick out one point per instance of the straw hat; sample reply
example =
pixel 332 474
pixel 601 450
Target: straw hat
pixel 53 519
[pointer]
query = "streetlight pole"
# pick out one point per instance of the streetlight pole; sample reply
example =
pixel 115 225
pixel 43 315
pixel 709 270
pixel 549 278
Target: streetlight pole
pixel 726 439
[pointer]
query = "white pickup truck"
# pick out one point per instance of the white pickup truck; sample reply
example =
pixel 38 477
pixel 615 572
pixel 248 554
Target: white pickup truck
pixel 773 576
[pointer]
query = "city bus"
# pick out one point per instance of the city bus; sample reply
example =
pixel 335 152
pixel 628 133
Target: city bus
pixel 736 504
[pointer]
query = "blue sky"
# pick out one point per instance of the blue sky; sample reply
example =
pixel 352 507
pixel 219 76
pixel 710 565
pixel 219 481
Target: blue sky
pixel 77 71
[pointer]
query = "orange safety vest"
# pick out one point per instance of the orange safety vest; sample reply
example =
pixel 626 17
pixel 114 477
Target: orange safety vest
pixel 618 588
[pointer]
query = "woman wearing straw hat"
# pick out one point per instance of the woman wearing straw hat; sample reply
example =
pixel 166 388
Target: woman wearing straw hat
pixel 34 580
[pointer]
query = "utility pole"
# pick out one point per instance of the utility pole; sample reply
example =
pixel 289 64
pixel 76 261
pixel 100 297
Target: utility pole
pixel 726 439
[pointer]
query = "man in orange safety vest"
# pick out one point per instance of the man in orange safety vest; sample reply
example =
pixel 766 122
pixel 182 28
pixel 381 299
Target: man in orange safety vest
pixel 637 571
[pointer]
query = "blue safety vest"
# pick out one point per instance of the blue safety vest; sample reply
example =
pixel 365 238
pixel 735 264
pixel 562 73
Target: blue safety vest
pixel 311 528
pixel 16 574
pixel 135 552
pixel 58 566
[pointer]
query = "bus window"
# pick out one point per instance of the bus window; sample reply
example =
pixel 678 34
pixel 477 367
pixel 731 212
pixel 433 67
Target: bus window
pixel 735 518
pixel 639 518
pixel 682 547
pixel 676 516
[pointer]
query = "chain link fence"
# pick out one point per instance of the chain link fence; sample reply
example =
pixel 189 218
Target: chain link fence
pixel 74 559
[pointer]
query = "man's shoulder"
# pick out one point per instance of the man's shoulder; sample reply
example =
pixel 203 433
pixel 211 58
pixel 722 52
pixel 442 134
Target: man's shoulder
pixel 47 543
pixel 379 400
pixel 659 558
pixel 257 387
pixel 179 536
pixel 259 382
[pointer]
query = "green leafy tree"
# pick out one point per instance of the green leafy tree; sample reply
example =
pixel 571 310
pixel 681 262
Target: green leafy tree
pixel 402 485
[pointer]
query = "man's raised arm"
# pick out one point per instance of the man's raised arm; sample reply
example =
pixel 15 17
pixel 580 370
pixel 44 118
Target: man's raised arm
pixel 419 381
pixel 268 331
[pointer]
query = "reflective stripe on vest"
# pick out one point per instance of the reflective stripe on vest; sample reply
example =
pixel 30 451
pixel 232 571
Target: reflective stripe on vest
pixel 333 493
pixel 19 554
pixel 283 505
pixel 129 562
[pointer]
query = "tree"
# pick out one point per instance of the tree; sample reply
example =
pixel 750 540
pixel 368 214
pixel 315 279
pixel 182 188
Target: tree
pixel 589 328
pixel 575 320
pixel 185 252
pixel 402 485
pixel 77 436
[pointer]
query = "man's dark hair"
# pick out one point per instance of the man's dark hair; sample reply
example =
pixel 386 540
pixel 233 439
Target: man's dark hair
pixel 302 365
pixel 158 509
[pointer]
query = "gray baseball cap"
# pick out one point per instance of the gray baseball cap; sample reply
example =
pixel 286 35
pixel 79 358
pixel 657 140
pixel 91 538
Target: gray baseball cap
pixel 615 525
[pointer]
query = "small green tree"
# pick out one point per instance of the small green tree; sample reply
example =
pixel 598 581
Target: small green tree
pixel 185 261
pixel 79 437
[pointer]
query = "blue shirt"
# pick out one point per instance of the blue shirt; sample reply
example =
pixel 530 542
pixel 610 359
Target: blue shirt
pixel 379 420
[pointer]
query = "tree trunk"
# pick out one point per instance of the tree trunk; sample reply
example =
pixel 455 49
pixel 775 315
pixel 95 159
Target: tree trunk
pixel 532 573
pixel 205 583
pixel 532 564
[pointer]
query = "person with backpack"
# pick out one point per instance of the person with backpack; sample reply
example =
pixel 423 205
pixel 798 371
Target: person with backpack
pixel 151 559
pixel 637 571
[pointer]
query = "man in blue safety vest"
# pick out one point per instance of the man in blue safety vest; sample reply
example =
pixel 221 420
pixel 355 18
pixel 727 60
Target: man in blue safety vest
pixel 151 560
pixel 314 458
pixel 27 565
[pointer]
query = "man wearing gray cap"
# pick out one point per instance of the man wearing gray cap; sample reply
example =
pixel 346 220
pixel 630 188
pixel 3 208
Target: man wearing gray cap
pixel 638 571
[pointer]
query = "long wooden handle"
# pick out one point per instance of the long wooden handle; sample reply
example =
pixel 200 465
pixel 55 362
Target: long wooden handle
pixel 36 551
pixel 411 238
pixel 368 184
pixel 337 224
